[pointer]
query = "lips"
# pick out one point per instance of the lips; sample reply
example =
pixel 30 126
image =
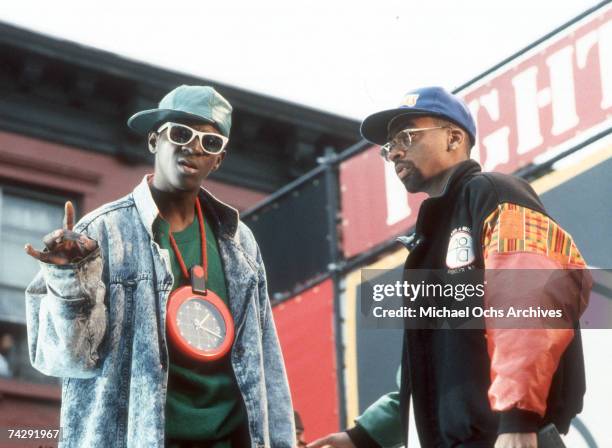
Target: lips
pixel 402 170
pixel 187 166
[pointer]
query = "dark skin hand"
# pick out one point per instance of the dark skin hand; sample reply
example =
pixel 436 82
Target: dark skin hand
pixel 64 246
pixel 336 440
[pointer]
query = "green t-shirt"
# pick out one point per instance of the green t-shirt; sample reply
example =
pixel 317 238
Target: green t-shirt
pixel 203 402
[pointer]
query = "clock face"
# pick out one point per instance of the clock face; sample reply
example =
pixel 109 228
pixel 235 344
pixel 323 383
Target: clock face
pixel 201 324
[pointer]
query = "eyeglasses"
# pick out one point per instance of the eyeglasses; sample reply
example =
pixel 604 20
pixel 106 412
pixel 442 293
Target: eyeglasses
pixel 182 135
pixel 403 140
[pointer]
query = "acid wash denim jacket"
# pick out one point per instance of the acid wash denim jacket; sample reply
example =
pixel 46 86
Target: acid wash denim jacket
pixel 100 325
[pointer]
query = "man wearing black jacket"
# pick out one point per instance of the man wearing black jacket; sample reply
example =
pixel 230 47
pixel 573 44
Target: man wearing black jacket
pixel 491 386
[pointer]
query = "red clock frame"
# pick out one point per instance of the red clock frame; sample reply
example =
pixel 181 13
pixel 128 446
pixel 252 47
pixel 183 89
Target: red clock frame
pixel 181 296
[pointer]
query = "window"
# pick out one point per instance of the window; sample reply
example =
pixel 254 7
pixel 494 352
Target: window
pixel 25 217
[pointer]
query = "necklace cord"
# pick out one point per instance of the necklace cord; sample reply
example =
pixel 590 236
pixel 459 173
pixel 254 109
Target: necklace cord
pixel 177 252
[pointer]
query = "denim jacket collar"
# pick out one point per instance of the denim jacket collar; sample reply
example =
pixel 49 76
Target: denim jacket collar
pixel 225 216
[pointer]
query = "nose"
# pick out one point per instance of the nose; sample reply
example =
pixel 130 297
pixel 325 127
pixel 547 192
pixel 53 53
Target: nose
pixel 194 146
pixel 395 154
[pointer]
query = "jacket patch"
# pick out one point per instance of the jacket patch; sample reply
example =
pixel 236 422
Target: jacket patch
pixel 460 248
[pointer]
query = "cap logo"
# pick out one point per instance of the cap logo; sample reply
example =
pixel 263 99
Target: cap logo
pixel 410 100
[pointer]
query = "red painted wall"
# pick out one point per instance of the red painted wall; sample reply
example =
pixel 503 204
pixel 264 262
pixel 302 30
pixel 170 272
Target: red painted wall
pixel 305 325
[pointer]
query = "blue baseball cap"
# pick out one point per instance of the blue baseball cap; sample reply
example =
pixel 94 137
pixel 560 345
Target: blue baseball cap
pixel 186 103
pixel 431 101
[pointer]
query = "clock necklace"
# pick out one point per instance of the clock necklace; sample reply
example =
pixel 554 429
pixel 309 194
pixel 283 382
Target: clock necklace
pixel 199 323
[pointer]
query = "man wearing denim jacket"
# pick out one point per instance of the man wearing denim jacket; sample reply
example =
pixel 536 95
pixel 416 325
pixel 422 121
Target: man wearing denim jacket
pixel 96 312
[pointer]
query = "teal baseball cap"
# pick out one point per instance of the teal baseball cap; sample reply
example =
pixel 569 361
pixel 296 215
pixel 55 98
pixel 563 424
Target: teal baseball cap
pixel 186 103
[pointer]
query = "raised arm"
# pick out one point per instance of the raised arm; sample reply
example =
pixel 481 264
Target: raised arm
pixel 65 310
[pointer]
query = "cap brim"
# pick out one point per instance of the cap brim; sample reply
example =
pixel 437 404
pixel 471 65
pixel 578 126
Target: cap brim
pixel 148 120
pixel 376 126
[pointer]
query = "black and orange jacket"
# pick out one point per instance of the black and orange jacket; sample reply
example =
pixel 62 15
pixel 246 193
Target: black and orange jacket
pixel 468 386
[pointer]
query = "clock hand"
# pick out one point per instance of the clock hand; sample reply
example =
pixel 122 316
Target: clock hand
pixel 213 333
pixel 205 317
pixel 199 324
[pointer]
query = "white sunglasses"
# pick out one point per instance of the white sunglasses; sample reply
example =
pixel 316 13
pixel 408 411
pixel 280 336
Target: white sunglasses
pixel 179 134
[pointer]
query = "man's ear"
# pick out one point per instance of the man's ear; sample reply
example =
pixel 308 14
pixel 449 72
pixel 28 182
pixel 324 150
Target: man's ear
pixel 152 142
pixel 220 158
pixel 456 139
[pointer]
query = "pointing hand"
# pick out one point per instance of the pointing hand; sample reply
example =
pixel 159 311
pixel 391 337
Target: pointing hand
pixel 64 246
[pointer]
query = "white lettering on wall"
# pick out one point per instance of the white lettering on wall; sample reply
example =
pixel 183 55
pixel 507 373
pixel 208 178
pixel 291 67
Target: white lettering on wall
pixel 490 101
pixel 605 64
pixel 527 110
pixel 496 144
pixel 397 198
pixel 498 150
pixel 583 46
pixel 561 68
